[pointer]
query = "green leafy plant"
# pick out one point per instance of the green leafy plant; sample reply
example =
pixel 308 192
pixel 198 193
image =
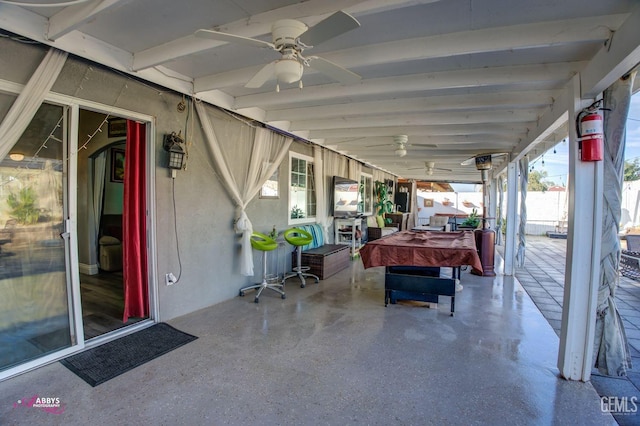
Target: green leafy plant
pixel 274 233
pixel 383 203
pixel 297 213
pixel 24 206
pixel 473 220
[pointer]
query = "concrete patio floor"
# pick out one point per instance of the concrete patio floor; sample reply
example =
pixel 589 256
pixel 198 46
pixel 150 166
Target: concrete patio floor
pixel 542 276
pixel 332 354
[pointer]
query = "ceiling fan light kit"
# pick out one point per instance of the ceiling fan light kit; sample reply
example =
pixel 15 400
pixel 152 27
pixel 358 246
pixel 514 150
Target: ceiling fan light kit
pixel 288 70
pixel 400 151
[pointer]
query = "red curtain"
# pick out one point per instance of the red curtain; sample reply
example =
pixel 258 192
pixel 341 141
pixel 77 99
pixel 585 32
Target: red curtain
pixel 134 247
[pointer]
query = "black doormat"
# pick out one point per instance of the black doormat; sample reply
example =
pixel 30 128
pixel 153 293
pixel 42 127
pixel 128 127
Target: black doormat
pixel 97 365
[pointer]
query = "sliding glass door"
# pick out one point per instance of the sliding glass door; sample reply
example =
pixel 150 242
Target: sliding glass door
pixel 36 298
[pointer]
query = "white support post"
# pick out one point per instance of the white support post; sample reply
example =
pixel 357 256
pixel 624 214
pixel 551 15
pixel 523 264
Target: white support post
pixel 492 200
pixel 512 218
pixel 575 355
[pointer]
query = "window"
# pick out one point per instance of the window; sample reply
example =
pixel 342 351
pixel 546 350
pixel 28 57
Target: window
pixel 302 192
pixel 365 206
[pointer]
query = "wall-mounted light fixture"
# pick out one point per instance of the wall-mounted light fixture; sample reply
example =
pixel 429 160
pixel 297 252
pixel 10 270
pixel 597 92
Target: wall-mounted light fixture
pixel 173 144
pixel 16 156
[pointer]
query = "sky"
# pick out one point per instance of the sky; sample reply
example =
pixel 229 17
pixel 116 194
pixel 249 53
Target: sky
pixel 556 165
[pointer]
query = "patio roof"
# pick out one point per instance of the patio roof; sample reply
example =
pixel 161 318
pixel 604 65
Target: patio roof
pixel 458 78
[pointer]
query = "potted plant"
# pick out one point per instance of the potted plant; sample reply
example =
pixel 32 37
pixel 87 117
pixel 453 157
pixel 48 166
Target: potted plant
pixel 383 203
pixel 472 221
pixel 297 213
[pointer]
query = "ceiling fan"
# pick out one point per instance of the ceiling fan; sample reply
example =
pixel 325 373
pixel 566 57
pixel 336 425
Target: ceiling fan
pixel 290 39
pixel 429 167
pixel 400 142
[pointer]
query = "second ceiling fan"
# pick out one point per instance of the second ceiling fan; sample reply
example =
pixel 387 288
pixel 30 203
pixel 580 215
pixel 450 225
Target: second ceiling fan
pixel 429 167
pixel 401 142
pixel 290 38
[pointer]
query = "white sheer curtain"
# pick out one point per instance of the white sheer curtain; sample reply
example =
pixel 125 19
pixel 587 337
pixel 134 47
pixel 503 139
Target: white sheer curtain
pixel 322 212
pixel 99 171
pixel 379 175
pixel 355 169
pixel 245 158
pixel 334 165
pixel 524 182
pixel 612 354
pixel 27 103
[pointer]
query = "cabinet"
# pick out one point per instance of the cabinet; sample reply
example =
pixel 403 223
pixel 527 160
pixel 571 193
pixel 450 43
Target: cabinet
pixel 349 232
pixel 402 201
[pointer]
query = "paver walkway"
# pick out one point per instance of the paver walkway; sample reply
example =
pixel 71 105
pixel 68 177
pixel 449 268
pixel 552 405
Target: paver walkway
pixel 542 276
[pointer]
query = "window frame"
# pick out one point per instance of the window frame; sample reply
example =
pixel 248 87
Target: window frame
pixel 309 161
pixel 369 189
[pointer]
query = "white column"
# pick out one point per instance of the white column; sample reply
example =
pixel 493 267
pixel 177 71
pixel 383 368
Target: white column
pixel 583 254
pixel 493 202
pixel 512 218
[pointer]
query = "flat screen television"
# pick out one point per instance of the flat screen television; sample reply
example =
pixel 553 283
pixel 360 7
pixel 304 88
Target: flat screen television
pixel 346 195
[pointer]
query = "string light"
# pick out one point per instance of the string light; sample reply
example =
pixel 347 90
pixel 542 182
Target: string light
pixel 90 137
pixel 95 132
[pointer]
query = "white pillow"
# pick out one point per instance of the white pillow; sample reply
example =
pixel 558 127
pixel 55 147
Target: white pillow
pixel 109 241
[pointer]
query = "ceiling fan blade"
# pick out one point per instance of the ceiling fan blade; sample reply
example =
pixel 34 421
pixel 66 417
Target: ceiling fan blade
pixel 334 71
pixel 395 145
pixel 425 145
pixel 265 74
pixel 348 140
pixel 336 24
pixel 469 161
pixel 230 38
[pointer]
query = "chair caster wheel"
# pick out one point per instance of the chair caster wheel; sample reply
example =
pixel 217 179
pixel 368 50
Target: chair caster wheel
pixel 302 285
pixel 256 300
pixel 283 296
pixel 241 293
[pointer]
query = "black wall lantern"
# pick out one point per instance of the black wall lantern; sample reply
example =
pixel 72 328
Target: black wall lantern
pixel 173 144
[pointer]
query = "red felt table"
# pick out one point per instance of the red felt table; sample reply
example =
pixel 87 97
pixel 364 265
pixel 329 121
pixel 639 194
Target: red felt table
pixel 420 248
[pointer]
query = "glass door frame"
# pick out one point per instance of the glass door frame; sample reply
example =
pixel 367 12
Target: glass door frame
pixel 71 107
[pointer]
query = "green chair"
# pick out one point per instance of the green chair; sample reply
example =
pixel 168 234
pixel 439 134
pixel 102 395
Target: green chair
pixel 264 244
pixel 298 238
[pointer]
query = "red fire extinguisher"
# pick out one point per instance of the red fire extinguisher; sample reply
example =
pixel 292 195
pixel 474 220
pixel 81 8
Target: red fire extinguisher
pixel 590 133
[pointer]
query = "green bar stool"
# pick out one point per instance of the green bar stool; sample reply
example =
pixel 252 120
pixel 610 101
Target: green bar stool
pixel 298 238
pixel 264 244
